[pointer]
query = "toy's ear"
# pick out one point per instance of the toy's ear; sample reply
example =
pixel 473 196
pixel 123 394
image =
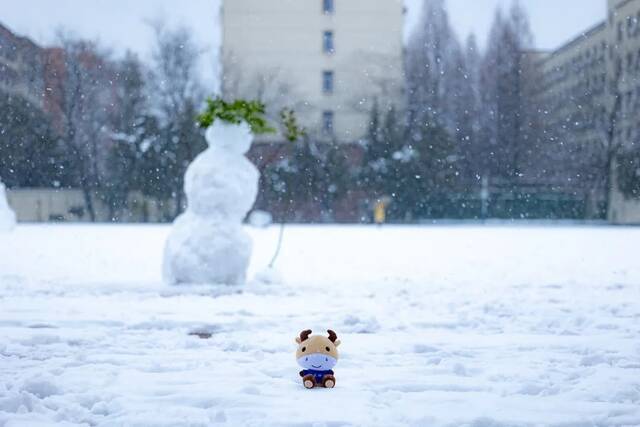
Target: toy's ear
pixel 336 343
pixel 298 340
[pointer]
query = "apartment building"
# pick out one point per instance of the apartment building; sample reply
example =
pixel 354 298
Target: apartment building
pixel 624 35
pixel 21 67
pixel 32 72
pixel 328 59
pixel 580 82
pixel 573 88
pixel 624 32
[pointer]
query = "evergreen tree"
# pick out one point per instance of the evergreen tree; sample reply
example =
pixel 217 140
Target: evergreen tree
pixel 376 155
pixel 134 163
pixel 628 173
pixel 154 162
pixel 410 170
pixel 30 153
pixel 308 174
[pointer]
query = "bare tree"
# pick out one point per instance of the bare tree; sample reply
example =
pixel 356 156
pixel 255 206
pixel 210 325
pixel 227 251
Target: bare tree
pixel 608 126
pixel 84 94
pixel 270 85
pixel 174 76
pixel 176 93
pixel 381 88
pixel 464 90
pixel 128 126
pixel 504 97
pixel 428 66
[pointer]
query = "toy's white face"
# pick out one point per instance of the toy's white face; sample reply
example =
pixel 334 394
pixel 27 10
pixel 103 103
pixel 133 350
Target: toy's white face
pixel 317 352
pixel 317 362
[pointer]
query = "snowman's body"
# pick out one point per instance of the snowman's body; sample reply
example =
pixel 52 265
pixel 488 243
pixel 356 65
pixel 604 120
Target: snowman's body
pixel 208 244
pixel 7 216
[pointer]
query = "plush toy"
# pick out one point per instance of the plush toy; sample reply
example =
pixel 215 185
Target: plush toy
pixel 317 354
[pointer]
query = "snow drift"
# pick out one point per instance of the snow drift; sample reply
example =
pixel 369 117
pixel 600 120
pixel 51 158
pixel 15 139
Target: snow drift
pixel 7 216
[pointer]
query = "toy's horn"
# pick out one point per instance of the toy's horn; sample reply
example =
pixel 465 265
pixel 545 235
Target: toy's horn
pixel 332 336
pixel 305 334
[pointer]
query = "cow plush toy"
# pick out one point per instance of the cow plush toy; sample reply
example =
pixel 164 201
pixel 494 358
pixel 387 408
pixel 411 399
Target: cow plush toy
pixel 317 355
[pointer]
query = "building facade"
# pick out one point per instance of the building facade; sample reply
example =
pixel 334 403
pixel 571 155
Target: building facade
pixel 32 72
pixel 591 86
pixel 330 60
pixel 21 67
pixel 623 24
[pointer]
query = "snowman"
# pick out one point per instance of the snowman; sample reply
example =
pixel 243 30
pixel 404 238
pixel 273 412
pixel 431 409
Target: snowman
pixel 207 244
pixel 7 217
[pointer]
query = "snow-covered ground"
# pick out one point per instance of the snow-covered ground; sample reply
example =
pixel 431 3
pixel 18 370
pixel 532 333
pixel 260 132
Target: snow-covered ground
pixel 452 325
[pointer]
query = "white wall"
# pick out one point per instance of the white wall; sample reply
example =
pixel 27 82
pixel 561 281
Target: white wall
pixel 44 205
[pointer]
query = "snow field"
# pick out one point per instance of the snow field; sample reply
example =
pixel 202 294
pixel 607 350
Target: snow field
pixel 443 326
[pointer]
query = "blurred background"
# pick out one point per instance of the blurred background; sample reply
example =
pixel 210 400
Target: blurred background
pixel 415 111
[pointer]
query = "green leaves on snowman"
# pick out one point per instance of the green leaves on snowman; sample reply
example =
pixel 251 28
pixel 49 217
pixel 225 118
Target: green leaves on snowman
pixel 253 113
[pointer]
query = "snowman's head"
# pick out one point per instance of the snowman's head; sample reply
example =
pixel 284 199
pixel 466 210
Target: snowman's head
pixel 233 138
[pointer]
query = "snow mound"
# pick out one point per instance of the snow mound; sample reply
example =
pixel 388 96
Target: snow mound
pixel 260 219
pixel 7 216
pixel 200 251
pixel 207 244
pixel 269 276
pixel 42 387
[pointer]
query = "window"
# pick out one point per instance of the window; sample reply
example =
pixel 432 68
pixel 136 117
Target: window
pixel 620 31
pixel 327 81
pixel 328 7
pixel 327 42
pixel 327 122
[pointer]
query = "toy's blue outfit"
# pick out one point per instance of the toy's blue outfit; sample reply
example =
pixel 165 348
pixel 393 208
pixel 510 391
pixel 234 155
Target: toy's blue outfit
pixel 317 375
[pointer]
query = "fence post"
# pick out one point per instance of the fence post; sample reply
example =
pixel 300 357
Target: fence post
pixel 484 196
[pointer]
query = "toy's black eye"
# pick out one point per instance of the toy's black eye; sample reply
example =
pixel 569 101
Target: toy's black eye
pixel 304 349
pixel 327 348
